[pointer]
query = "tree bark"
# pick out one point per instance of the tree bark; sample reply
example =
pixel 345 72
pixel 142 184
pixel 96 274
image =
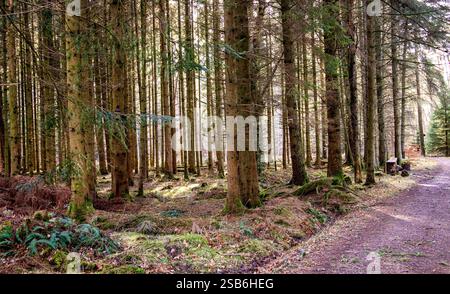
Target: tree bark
pixel 14 128
pixel 119 102
pixel 371 88
pixel 332 90
pixel 243 188
pixel 394 44
pixel 382 155
pixel 77 64
pixel 353 131
pixel 218 73
pixel 299 176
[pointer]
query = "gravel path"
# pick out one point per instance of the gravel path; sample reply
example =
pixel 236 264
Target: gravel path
pixel 409 232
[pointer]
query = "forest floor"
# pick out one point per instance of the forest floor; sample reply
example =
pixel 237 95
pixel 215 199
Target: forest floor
pixel 179 227
pixel 410 232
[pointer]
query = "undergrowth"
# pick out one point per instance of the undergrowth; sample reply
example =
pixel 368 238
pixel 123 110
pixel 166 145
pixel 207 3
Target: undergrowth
pixel 58 233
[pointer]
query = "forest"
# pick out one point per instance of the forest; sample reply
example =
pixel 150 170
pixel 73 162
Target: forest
pixel 224 136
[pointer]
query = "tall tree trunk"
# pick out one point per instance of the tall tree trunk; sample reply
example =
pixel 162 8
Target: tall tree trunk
pixel 353 130
pixel 371 88
pixel 394 44
pixel 332 90
pixel 99 130
pixel 208 85
pixel 190 75
pixel 119 102
pixel 299 176
pixel 419 105
pixel 143 137
pixel 14 128
pixel 77 63
pixel 30 152
pixel 168 168
pixel 243 188
pixel 3 96
pixel 382 155
pixel 218 85
pixel 155 90
pixel 49 66
pixel 306 89
pixel 315 94
pixel 403 98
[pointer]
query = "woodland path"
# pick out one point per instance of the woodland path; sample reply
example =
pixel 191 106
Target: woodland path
pixel 410 232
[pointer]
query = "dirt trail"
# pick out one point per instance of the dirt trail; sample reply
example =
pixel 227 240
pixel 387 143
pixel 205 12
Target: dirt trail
pixel 410 232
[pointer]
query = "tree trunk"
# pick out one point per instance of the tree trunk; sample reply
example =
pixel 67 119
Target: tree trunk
pixel 306 89
pixel 371 88
pixel 353 130
pixel 208 85
pixel 243 188
pixel 315 93
pixel 77 82
pixel 218 85
pixel 394 44
pixel 14 128
pixel 168 168
pixel 30 152
pixel 382 155
pixel 403 98
pixel 49 66
pixel 119 100
pixel 332 90
pixel 190 75
pixel 299 176
pixel 419 105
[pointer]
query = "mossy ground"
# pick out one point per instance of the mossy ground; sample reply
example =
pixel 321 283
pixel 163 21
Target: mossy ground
pixel 179 226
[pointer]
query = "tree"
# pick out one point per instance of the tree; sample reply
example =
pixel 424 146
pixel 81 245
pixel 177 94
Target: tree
pixel 380 92
pixel 49 123
pixel 243 187
pixel 438 136
pixel 331 35
pixel 13 107
pixel 119 102
pixel 419 105
pixel 299 176
pixel 163 29
pixel 395 92
pixel 78 107
pixel 190 75
pixel 218 84
pixel 353 131
pixel 141 50
pixel 371 92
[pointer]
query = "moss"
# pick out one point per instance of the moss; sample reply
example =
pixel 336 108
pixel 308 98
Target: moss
pixel 216 224
pixel 103 223
pixel 80 212
pixel 313 186
pixel 234 206
pixel 154 250
pixel 195 240
pixel 59 259
pixel 318 216
pixel 257 247
pixel 282 222
pixel 165 225
pixel 41 215
pixel 297 234
pixel 87 266
pixel 282 211
pixel 122 270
